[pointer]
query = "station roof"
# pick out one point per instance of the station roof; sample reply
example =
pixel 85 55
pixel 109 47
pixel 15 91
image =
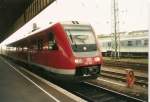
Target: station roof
pixel 10 10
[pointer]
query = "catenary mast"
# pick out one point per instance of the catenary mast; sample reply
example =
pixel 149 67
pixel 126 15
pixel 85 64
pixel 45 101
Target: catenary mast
pixel 115 45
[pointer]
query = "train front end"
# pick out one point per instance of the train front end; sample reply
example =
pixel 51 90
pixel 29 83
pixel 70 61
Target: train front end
pixel 85 48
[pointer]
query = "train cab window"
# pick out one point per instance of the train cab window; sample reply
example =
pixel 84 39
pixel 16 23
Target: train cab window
pixel 40 44
pixel 51 42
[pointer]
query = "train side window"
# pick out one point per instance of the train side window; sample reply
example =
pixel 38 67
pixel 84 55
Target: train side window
pixel 103 44
pixel 20 49
pixel 145 42
pixel 25 48
pixel 138 42
pixel 122 43
pixel 40 44
pixel 130 43
pixel 34 45
pixel 51 42
pixel 109 44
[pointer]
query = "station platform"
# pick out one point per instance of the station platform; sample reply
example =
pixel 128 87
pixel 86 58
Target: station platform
pixel 16 87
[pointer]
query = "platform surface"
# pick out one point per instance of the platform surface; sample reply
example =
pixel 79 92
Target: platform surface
pixel 15 88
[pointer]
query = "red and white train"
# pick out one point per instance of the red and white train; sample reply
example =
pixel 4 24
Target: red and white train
pixel 67 50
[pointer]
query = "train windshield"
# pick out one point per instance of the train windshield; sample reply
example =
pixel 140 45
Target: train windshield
pixel 82 40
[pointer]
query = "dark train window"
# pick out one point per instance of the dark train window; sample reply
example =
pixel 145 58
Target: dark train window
pixel 51 42
pixel 130 43
pixel 40 44
pixel 34 45
pixel 109 44
pixel 145 42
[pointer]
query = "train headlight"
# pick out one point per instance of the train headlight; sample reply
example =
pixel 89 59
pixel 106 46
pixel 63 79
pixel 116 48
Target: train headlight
pixel 78 61
pixel 97 59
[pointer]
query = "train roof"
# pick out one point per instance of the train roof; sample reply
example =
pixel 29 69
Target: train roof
pixel 67 24
pixel 138 33
pixel 74 23
pixel 24 40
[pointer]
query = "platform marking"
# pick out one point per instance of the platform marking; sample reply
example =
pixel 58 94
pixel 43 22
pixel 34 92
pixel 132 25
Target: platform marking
pixel 74 97
pixel 31 81
pixel 111 82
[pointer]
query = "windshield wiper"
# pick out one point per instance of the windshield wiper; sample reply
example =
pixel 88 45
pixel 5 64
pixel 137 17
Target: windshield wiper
pixel 70 36
pixel 72 39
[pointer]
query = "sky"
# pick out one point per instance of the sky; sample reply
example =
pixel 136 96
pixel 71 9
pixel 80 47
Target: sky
pixel 133 15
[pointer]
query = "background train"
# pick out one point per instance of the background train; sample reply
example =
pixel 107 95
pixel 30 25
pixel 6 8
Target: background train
pixel 67 50
pixel 132 44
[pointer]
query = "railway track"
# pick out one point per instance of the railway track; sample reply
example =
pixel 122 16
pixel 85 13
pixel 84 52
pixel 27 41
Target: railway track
pixel 136 66
pixel 94 93
pixel 122 77
pixel 89 91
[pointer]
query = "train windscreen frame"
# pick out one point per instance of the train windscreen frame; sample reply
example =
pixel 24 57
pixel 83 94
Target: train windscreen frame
pixel 82 40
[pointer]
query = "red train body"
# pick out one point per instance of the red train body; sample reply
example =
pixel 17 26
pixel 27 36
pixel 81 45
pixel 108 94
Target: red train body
pixel 66 50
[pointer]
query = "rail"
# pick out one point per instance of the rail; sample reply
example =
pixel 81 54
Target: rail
pixel 122 77
pixel 94 93
pixel 117 97
pixel 137 66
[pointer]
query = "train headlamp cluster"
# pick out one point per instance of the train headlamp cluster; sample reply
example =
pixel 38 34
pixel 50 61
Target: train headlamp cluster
pixel 81 61
pixel 78 61
pixel 97 59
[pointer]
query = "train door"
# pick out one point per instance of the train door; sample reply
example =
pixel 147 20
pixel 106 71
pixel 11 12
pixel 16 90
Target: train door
pixel 52 42
pixel 53 53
